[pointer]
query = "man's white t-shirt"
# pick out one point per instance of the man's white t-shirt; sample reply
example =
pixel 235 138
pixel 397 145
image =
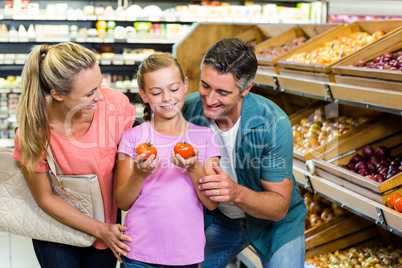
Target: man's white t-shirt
pixel 227 145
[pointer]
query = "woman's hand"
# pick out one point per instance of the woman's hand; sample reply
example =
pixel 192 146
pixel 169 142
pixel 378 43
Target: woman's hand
pixel 188 164
pixel 112 235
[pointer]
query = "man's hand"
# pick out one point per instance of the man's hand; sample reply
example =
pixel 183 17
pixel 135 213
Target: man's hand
pixel 219 187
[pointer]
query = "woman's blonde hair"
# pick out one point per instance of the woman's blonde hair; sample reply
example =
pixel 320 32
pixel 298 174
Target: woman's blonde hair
pixel 152 63
pixel 47 67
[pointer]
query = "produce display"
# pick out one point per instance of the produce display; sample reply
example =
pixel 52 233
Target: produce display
pixel 146 148
pixel 271 52
pixel 337 48
pixel 387 61
pixel 309 135
pixel 184 149
pixel 380 256
pixel 319 210
pixel 376 165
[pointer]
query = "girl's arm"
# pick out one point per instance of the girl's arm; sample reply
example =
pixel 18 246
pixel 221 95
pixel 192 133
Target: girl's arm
pixel 196 172
pixel 41 189
pixel 130 177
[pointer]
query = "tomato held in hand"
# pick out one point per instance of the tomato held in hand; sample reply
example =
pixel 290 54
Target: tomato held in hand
pixel 146 148
pixel 391 200
pixel 184 149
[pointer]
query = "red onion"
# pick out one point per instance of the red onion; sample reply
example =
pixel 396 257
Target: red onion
pixel 381 152
pixel 379 178
pixel 371 177
pixel 368 151
pixel 363 172
pixel 356 158
pixel 361 165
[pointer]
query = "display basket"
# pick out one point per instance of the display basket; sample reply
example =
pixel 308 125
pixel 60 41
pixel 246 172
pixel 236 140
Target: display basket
pixel 309 31
pixel 334 110
pixel 347 73
pixel 330 169
pixel 387 26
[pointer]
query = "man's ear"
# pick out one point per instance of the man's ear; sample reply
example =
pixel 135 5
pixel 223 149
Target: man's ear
pixel 247 90
pixel 55 95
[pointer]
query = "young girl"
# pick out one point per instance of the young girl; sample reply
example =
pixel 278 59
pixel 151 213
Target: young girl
pixel 165 220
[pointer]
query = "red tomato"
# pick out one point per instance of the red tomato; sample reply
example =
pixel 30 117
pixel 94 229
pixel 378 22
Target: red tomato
pixel 146 148
pixel 398 204
pixel 391 200
pixel 184 149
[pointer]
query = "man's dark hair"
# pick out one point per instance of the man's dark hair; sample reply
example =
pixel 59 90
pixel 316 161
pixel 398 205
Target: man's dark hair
pixel 235 56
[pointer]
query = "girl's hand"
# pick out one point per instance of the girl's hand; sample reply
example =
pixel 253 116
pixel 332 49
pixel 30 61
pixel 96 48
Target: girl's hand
pixel 112 235
pixel 188 164
pixel 144 167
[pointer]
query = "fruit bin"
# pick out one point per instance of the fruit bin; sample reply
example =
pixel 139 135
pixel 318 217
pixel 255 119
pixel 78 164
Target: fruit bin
pixel 385 79
pixel 341 232
pixel 387 26
pixel 329 169
pixel 309 32
pixel 338 118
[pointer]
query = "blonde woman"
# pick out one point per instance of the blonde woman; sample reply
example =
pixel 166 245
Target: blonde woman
pixel 63 105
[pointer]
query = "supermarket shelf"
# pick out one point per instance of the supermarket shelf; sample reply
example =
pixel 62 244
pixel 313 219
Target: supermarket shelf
pixel 383 216
pixel 377 99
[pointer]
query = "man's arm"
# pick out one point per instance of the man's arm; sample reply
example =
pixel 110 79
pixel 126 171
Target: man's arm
pixel 271 204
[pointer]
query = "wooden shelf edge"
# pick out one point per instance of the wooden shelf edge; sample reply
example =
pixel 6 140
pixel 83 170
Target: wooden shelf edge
pixel 357 203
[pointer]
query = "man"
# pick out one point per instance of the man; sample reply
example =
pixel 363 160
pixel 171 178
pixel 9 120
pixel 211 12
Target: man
pixel 260 202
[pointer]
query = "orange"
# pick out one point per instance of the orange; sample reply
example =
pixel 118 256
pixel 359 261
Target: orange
pixel 391 200
pixel 398 204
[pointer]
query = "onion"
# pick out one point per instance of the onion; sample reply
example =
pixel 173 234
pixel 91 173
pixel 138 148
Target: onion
pixel 381 152
pixel 363 172
pixel 356 158
pixel 316 207
pixel 379 178
pixel 361 165
pixel 393 169
pixel 368 151
pixel 371 177
pixel 374 160
pixel 383 172
pixel 371 166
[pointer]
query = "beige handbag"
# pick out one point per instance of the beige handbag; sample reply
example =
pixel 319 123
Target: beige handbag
pixel 21 215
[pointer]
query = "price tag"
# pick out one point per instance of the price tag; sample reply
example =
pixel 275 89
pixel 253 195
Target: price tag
pixel 20 62
pixel 3 39
pixel 13 39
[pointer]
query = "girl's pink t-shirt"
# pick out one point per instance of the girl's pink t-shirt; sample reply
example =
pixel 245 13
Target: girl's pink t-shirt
pixel 166 222
pixel 94 152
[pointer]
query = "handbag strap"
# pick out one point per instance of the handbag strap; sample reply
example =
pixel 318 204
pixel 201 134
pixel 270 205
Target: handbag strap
pixel 53 166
